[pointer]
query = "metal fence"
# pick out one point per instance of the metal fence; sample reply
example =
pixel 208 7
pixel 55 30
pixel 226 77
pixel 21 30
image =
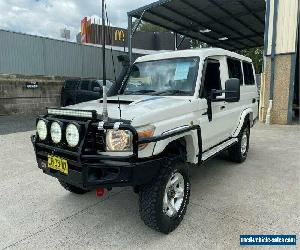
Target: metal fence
pixel 32 55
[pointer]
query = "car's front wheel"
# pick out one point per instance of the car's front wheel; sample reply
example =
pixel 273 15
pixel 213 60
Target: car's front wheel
pixel 164 201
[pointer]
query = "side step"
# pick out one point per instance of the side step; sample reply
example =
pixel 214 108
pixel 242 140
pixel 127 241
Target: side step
pixel 211 152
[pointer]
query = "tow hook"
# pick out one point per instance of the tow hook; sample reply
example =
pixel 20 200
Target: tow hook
pixel 100 192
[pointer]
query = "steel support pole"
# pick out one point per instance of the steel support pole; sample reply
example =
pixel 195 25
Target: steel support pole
pixel 129 34
pixel 272 81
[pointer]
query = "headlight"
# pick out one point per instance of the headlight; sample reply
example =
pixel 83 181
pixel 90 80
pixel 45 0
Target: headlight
pixel 72 135
pixel 41 129
pixel 56 132
pixel 119 140
pixel 145 132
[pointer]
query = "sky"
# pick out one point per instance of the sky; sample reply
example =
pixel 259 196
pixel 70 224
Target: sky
pixel 47 17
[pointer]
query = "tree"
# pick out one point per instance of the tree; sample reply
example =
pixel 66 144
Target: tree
pixel 149 27
pixel 256 54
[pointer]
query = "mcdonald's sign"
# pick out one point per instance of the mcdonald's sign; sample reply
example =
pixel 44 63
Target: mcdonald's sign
pixel 119 35
pixel 84 30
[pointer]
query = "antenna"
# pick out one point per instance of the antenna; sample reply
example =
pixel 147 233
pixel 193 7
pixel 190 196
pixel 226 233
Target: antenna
pixel 119 107
pixel 104 113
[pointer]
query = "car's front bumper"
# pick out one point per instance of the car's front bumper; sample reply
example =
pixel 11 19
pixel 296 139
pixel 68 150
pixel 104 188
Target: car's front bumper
pixel 92 173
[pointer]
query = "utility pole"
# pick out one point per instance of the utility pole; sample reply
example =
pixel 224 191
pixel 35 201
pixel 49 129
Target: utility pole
pixel 105 113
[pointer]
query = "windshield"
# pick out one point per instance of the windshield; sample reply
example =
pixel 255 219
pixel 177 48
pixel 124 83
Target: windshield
pixel 164 77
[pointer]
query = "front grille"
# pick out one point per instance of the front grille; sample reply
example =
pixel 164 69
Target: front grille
pixel 95 141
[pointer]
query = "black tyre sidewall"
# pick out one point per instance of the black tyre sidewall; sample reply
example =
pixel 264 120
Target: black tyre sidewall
pixel 247 130
pixel 166 223
pixel 235 152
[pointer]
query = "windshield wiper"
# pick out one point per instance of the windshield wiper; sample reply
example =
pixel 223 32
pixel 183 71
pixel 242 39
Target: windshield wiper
pixel 173 92
pixel 142 91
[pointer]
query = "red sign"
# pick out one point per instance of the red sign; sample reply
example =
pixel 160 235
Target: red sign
pixel 84 30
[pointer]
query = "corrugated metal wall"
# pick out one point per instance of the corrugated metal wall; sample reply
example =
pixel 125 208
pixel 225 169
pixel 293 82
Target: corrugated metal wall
pixel 31 55
pixel 287 22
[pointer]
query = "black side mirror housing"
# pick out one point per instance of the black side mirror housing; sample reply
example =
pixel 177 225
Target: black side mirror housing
pixel 232 90
pixel 232 94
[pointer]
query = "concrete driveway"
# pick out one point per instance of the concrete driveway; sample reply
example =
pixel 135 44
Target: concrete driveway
pixel 260 196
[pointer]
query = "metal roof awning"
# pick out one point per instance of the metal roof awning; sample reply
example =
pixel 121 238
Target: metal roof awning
pixel 228 24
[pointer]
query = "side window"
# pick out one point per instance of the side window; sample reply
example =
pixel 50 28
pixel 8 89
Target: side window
pixel 235 69
pixel 212 79
pixel 109 84
pixel 84 85
pixel 95 84
pixel 248 73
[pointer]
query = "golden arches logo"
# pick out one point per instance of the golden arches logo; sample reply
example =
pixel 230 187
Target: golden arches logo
pixel 119 35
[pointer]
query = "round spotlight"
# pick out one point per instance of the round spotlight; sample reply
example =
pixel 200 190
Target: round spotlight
pixel 72 135
pixel 56 132
pixel 41 129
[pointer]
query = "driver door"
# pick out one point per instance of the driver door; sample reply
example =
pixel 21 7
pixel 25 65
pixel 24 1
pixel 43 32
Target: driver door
pixel 213 132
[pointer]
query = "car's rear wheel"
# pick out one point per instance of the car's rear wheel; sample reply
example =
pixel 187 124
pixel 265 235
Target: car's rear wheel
pixel 72 188
pixel 239 152
pixel 163 202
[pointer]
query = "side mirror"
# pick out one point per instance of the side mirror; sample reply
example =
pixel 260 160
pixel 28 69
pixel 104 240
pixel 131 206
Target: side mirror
pixel 232 90
pixel 97 89
pixel 232 94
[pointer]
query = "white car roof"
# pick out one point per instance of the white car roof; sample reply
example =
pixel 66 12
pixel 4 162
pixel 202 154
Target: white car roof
pixel 202 53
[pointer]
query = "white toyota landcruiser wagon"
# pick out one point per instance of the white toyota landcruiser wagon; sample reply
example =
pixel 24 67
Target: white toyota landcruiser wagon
pixel 171 111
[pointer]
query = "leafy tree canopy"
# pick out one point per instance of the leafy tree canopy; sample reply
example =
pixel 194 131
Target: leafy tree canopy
pixel 148 27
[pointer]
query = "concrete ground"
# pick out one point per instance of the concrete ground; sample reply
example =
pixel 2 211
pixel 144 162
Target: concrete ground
pixel 260 196
pixel 16 123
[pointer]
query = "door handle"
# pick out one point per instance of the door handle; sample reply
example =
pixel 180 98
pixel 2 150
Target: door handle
pixel 205 113
pixel 222 107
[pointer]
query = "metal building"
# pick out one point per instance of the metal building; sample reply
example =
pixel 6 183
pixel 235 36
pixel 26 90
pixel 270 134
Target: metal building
pixel 280 91
pixel 22 54
pixel 237 25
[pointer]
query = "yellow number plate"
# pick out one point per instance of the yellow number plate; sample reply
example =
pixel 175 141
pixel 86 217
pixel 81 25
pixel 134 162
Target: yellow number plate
pixel 57 163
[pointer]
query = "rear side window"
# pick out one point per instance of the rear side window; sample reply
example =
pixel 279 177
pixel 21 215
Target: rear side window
pixel 108 83
pixel 235 69
pixel 248 73
pixel 84 85
pixel 71 84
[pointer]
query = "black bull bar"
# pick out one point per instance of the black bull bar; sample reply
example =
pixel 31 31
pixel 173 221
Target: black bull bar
pixel 130 170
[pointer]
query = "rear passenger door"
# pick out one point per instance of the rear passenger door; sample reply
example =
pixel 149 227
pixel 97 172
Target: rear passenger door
pixel 83 91
pixel 69 92
pixel 250 94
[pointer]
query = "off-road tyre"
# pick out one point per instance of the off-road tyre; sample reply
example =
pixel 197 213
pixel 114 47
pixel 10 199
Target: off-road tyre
pixel 151 198
pixel 72 188
pixel 236 153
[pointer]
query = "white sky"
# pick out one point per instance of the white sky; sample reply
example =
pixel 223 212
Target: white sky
pixel 47 17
